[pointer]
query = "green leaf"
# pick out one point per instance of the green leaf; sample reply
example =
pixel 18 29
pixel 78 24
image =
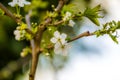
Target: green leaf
pixel 97 33
pixel 93 15
pixel 118 25
pixel 1 12
pixel 95 21
pixel 114 38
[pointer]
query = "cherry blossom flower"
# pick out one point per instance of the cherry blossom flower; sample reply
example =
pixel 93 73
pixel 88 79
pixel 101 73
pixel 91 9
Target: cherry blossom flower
pixel 61 46
pixel 67 16
pixel 71 23
pixel 59 38
pixel 20 3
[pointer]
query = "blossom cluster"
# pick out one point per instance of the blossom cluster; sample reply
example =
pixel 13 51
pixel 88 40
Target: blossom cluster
pixel 20 3
pixel 19 34
pixel 67 17
pixel 60 42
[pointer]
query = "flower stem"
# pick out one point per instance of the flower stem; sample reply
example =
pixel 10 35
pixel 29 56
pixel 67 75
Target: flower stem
pixel 18 10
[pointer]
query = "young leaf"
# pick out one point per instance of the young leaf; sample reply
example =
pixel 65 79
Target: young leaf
pixel 93 15
pixel 113 38
pixel 95 21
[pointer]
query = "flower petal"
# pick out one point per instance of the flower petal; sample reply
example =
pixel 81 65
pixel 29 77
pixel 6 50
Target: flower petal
pixel 21 3
pixel 67 16
pixel 57 48
pixel 63 36
pixel 53 40
pixel 66 49
pixel 13 3
pixel 57 45
pixel 17 37
pixel 63 41
pixel 71 23
pixel 57 34
pixel 16 32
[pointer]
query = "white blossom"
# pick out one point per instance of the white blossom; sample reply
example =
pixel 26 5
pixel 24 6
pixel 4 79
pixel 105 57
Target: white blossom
pixel 71 23
pixel 59 38
pixel 19 34
pixel 20 3
pixel 67 16
pixel 61 45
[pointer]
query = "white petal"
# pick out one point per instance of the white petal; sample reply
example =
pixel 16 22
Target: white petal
pixel 61 49
pixel 67 16
pixel 63 41
pixel 57 45
pixel 53 40
pixel 17 37
pixel 57 48
pixel 13 3
pixel 71 23
pixel 66 49
pixel 56 34
pixel 21 4
pixel 63 36
pixel 16 32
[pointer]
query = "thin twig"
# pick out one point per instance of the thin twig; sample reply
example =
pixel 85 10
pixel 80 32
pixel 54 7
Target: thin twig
pixel 60 5
pixel 27 18
pixel 84 34
pixel 57 23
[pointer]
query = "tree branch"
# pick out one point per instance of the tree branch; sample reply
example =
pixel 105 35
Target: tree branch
pixel 37 41
pixel 84 34
pixel 9 13
pixel 60 5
